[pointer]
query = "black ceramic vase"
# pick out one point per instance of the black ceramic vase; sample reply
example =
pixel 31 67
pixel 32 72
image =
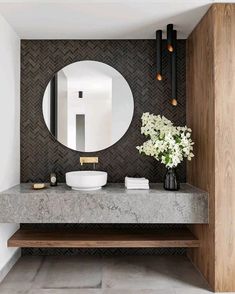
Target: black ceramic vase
pixel 171 181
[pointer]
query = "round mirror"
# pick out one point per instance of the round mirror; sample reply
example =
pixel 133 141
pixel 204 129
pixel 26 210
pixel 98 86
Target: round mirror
pixel 88 106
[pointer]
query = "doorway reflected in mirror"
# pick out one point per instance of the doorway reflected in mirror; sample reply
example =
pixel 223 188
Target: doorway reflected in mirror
pixel 88 106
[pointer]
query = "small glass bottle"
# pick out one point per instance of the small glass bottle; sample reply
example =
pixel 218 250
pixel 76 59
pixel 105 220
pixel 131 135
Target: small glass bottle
pixel 53 179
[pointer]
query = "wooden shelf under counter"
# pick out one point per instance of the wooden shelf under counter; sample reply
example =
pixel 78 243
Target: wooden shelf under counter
pixel 103 239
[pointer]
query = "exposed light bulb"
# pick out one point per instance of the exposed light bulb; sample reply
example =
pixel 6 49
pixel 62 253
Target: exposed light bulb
pixel 159 77
pixel 174 102
pixel 170 48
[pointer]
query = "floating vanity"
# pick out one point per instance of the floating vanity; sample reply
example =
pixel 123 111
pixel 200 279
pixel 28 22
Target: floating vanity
pixel 112 204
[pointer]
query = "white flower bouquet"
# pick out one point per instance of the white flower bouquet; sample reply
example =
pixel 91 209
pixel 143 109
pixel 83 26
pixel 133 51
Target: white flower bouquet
pixel 166 143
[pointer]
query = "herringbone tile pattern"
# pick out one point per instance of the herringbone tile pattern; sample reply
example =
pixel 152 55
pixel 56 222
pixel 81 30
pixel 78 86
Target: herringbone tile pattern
pixel 41 153
pixel 135 60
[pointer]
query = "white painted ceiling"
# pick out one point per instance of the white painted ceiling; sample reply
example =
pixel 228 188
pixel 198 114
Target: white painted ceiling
pixel 97 19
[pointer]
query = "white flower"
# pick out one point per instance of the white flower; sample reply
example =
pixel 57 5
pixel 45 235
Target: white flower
pixel 166 143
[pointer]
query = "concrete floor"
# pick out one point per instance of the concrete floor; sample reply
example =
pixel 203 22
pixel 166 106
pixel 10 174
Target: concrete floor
pixel 104 275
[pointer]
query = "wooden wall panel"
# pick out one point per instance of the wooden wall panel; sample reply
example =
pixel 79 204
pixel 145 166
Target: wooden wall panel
pixel 211 114
pixel 200 117
pixel 224 66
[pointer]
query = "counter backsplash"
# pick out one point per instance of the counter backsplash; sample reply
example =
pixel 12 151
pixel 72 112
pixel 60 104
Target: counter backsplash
pixel 135 60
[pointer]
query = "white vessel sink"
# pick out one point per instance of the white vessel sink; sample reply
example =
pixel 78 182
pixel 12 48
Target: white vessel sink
pixel 86 180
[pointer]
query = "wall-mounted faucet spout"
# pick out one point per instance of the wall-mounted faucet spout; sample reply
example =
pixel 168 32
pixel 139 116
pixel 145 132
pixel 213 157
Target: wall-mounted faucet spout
pixel 93 160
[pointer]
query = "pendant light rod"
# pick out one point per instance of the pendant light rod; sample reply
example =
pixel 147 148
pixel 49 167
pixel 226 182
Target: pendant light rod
pixel 174 70
pixel 159 54
pixel 170 46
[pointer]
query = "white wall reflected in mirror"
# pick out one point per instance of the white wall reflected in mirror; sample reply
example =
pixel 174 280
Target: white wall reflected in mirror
pixel 100 117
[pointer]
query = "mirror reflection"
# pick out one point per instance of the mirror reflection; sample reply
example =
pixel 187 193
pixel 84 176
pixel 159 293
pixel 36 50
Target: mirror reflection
pixel 88 106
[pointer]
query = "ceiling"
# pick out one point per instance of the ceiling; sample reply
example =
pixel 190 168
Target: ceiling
pixel 97 19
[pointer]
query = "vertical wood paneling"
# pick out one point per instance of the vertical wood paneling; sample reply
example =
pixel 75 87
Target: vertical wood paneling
pixel 224 66
pixel 200 117
pixel 211 114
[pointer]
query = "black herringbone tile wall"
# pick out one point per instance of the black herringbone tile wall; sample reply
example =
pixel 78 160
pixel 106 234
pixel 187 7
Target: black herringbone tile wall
pixel 41 153
pixel 135 60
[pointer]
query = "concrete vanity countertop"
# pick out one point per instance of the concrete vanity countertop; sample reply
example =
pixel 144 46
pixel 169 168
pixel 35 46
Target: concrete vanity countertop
pixel 112 204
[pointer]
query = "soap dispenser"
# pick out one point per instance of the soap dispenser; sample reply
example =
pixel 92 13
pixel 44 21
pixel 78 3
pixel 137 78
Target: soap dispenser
pixel 53 179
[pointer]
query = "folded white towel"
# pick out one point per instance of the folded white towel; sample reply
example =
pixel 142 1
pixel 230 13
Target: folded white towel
pixel 134 179
pixel 143 187
pixel 136 183
pixel 137 186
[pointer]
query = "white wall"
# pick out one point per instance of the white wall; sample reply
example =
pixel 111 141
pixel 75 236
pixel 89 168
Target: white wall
pixel 96 105
pixel 9 125
pixel 62 128
pixel 46 106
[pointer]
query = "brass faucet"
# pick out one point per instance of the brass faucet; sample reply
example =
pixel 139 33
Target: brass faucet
pixel 89 160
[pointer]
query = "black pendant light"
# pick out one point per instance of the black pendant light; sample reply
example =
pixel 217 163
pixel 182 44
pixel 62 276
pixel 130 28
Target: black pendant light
pixel 174 70
pixel 170 46
pixel 80 94
pixel 159 55
pixel 172 49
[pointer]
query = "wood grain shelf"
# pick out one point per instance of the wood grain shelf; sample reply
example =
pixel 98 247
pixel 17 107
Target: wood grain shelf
pixel 103 239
